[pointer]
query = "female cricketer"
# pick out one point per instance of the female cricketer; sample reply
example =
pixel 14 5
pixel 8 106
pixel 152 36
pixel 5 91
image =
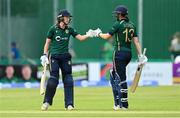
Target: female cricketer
pixel 125 32
pixel 56 48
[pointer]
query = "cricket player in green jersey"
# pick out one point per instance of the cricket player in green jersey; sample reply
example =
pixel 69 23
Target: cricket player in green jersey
pixel 56 47
pixel 124 32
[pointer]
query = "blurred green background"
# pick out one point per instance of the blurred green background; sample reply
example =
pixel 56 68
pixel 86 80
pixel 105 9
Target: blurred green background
pixel 31 19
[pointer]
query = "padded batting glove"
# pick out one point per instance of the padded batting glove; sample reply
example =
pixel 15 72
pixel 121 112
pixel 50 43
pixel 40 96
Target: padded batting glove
pixel 97 32
pixel 44 60
pixel 90 33
pixel 142 59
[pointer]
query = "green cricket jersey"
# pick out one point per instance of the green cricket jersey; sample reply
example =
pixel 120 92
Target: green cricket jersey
pixel 9 80
pixel 32 80
pixel 123 30
pixel 60 39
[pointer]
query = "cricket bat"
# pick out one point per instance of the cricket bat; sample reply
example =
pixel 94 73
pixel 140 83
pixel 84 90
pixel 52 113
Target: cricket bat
pixel 43 80
pixel 137 75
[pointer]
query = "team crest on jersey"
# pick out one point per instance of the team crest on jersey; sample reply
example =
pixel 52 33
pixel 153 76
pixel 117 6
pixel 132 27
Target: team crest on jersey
pixel 67 31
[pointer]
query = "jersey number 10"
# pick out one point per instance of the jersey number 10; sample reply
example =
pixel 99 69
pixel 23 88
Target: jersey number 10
pixel 129 34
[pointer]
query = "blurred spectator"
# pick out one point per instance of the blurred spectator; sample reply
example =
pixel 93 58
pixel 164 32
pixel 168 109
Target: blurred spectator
pixel 108 50
pixel 15 51
pixel 175 45
pixel 26 74
pixel 9 78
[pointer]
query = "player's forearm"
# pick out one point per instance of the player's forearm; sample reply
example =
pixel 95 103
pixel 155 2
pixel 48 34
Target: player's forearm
pixel 46 46
pixel 137 45
pixel 105 35
pixel 138 48
pixel 46 49
pixel 82 37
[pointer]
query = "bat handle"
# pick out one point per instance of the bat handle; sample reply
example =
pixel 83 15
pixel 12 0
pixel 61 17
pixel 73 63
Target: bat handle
pixel 144 51
pixel 45 66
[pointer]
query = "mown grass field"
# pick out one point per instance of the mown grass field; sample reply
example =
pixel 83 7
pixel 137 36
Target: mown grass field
pixel 93 102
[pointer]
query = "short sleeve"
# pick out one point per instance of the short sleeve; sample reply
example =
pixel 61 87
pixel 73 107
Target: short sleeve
pixel 50 33
pixel 74 33
pixel 114 28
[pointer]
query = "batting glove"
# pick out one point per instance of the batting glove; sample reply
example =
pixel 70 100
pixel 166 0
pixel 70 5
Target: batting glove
pixel 90 33
pixel 142 59
pixel 97 32
pixel 44 60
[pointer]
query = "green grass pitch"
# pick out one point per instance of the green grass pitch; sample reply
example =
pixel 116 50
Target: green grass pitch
pixel 92 102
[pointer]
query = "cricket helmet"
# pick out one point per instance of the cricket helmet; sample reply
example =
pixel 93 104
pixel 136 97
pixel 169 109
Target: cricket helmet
pixel 121 9
pixel 63 13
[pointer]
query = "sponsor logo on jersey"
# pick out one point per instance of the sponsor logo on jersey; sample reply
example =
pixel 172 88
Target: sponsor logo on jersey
pixel 58 38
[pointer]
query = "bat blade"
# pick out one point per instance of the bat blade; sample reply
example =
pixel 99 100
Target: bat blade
pixel 43 79
pixel 137 75
pixel 136 78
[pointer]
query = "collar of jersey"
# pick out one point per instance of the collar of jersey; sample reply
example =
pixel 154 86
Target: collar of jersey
pixel 61 28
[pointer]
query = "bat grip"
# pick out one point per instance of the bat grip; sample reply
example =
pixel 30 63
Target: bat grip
pixel 45 66
pixel 144 51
